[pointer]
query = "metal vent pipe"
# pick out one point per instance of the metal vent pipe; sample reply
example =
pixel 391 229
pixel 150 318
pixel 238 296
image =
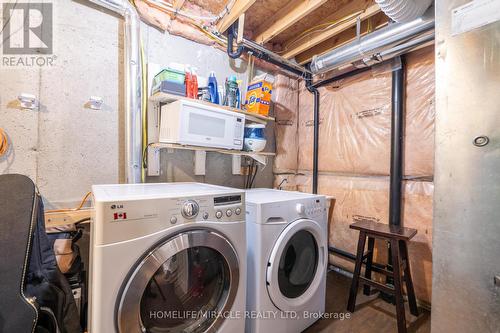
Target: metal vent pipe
pixel 368 47
pixel 133 86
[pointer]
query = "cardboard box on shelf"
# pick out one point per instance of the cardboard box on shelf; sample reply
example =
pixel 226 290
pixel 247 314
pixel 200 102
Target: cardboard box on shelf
pixel 258 97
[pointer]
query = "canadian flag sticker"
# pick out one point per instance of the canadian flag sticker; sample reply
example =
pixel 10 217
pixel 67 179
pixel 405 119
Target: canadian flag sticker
pixel 120 216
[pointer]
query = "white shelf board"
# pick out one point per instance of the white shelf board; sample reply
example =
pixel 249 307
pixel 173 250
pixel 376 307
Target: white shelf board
pixel 162 145
pixel 199 167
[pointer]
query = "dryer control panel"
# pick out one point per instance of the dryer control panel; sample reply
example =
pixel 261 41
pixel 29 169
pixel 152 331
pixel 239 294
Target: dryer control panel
pixel 312 207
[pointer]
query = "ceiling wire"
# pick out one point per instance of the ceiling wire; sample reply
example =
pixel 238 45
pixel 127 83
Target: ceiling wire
pixel 316 29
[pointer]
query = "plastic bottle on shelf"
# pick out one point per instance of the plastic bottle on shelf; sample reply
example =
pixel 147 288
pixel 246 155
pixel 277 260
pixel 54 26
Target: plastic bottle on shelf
pixel 221 94
pixel 231 92
pixel 212 87
pixel 239 82
pixel 188 81
pixel 194 83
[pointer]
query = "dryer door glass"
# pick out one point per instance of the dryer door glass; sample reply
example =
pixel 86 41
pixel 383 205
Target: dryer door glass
pixel 186 292
pixel 298 264
pixel 182 285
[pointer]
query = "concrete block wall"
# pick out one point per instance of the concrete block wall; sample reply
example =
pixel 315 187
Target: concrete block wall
pixel 65 147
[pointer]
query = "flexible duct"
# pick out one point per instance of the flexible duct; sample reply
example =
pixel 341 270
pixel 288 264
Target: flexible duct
pixel 404 10
pixel 133 82
pixel 368 47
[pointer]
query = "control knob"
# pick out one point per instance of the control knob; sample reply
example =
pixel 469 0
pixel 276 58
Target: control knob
pixel 300 208
pixel 190 209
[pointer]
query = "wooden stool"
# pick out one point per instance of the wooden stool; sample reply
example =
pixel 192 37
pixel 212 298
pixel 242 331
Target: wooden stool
pixel 398 238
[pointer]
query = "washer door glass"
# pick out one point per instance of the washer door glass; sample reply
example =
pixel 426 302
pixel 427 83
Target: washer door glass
pixel 186 292
pixel 182 285
pixel 298 264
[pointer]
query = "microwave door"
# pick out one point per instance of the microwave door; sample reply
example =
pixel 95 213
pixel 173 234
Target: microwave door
pixel 204 127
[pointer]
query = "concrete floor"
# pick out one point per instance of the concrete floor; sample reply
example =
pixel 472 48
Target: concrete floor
pixel 372 315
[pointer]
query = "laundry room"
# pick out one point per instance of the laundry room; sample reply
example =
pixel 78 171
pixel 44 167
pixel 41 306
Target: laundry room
pixel 249 166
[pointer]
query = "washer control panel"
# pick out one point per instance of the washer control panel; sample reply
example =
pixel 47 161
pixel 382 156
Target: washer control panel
pixel 175 211
pixel 214 209
pixel 190 209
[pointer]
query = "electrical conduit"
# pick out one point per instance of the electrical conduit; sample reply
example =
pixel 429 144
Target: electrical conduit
pixel 133 87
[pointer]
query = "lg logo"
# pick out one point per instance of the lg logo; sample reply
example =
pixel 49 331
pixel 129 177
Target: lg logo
pixel 27 28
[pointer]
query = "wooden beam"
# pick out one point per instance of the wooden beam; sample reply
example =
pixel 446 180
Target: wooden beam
pixel 57 219
pixel 241 28
pixel 285 17
pixel 239 7
pixel 178 4
pixel 316 39
pixel 377 22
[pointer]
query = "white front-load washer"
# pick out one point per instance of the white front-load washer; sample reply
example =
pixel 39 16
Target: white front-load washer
pixel 167 258
pixel 287 255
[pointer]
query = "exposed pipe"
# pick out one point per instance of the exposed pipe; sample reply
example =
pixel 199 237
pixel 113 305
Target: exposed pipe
pixel 397 127
pixel 341 253
pixel 352 257
pixel 367 47
pixel 401 49
pixel 260 52
pixel 404 10
pixel 315 92
pixel 341 76
pixel 230 37
pixel 133 85
pixel 396 172
pixel 341 271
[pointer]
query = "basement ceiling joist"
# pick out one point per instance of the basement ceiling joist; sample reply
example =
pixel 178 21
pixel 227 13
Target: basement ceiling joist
pixel 338 26
pixel 178 4
pixel 239 8
pixel 286 17
pixel 302 28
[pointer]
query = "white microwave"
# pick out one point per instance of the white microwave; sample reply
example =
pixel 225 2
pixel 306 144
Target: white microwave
pixel 190 123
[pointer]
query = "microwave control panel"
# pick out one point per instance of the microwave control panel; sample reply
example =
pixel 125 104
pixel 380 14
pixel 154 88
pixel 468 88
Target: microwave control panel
pixel 238 131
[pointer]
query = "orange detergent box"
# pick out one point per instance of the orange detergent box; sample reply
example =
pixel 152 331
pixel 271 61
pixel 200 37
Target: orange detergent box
pixel 258 97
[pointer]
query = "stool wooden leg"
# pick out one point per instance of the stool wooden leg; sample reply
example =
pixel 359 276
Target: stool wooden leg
pixel 369 262
pixel 351 304
pixel 396 266
pixel 412 302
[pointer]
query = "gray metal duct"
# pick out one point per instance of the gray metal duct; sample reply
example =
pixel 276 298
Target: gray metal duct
pixel 133 86
pixel 369 46
pixel 404 10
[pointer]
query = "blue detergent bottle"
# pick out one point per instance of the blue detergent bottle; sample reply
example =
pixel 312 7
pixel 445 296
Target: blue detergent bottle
pixel 212 88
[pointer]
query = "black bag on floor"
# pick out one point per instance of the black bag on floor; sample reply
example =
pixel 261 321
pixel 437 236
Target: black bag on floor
pixel 34 292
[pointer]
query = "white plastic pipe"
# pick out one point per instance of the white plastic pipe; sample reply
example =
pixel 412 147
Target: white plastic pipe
pixel 133 87
pixel 404 10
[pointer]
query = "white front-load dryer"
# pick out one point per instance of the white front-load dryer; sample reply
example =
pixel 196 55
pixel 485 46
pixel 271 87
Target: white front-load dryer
pixel 167 258
pixel 287 255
